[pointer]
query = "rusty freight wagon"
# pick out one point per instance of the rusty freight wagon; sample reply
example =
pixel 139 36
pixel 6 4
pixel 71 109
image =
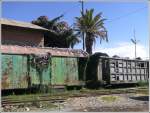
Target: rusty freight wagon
pixel 22 67
pixel 107 70
pixel 121 70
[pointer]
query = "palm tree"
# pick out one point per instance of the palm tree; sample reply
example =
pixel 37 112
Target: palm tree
pixel 43 21
pixel 66 35
pixel 59 34
pixel 92 26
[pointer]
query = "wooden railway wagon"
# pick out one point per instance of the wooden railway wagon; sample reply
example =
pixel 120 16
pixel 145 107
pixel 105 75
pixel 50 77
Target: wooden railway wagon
pixel 20 69
pixel 121 70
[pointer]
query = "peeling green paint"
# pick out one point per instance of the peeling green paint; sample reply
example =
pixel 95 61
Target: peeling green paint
pixel 64 71
pixel 14 68
pixel 17 72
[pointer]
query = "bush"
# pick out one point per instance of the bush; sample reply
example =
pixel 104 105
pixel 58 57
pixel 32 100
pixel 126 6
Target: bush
pixel 91 70
pixel 143 83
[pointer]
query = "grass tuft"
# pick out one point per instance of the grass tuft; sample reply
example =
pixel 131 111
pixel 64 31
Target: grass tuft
pixel 109 98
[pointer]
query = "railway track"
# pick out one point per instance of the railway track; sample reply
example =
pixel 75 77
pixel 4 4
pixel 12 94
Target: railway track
pixel 8 102
pixel 11 101
pixel 61 98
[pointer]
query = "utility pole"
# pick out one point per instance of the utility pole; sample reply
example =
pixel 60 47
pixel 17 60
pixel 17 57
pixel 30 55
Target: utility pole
pixel 82 7
pixel 134 41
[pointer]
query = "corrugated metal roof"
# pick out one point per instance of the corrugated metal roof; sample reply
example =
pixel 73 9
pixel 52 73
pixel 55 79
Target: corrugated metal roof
pixel 20 24
pixel 42 50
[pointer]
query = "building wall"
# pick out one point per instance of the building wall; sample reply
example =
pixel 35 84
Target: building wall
pixel 20 36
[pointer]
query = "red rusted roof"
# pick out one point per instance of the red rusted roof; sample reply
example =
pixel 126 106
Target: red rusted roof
pixel 41 50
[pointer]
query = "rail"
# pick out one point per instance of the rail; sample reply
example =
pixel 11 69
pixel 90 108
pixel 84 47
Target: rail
pixel 61 98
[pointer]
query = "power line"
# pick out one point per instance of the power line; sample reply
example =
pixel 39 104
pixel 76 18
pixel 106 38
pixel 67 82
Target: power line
pixel 128 14
pixel 66 11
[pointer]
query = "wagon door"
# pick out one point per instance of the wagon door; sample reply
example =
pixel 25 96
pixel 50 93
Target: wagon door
pixel 64 71
pixel 14 71
pixel 72 71
pixel 58 70
pixel 19 71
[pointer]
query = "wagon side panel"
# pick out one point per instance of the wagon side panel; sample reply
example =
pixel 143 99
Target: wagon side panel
pixel 14 71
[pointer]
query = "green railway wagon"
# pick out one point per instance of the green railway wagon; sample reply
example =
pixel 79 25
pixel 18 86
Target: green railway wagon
pixel 18 70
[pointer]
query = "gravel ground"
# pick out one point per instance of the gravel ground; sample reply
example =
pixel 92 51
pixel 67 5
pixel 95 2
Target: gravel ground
pixel 123 102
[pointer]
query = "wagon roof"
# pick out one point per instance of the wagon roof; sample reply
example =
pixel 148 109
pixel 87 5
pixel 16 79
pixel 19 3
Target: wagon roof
pixel 9 49
pixel 20 24
pixel 122 58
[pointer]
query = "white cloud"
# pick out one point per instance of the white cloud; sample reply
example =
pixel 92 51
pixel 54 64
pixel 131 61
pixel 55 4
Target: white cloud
pixel 125 49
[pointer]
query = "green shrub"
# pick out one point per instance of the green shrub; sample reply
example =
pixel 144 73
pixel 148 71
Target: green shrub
pixel 143 83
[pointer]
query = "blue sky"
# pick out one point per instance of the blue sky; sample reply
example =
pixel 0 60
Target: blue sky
pixel 121 17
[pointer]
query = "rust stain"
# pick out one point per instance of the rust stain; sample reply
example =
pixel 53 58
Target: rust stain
pixel 5 81
pixel 53 51
pixel 9 65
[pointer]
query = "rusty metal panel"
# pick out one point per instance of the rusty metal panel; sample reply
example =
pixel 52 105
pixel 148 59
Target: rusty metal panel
pixel 125 71
pixel 17 68
pixel 14 68
pixel 6 71
pixel 19 71
pixel 57 74
pixel 47 75
pixel 64 71
pixel 72 71
pixel 33 74
pixel 34 50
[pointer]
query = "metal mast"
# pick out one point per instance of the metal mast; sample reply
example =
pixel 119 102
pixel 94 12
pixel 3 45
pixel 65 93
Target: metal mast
pixel 82 7
pixel 134 41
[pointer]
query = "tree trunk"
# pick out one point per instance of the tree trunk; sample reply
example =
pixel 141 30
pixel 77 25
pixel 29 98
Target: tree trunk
pixel 89 43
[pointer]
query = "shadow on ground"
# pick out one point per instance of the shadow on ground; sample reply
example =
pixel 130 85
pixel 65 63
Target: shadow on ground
pixel 141 98
pixel 114 109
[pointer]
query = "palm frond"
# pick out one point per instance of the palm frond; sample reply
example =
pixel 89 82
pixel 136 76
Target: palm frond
pixel 57 18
